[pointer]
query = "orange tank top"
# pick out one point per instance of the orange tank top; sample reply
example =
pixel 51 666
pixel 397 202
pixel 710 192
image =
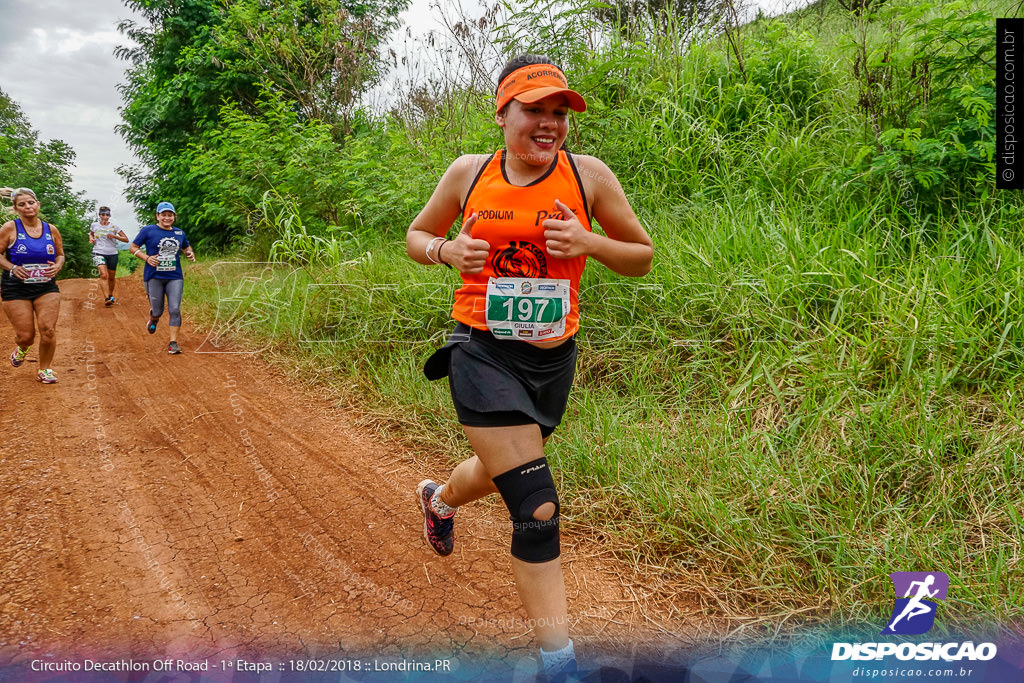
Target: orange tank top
pixel 510 218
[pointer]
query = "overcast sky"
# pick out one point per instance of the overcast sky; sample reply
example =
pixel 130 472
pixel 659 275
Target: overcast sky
pixel 57 63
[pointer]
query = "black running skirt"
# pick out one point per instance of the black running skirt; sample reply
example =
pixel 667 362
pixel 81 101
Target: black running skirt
pixel 502 382
pixel 13 289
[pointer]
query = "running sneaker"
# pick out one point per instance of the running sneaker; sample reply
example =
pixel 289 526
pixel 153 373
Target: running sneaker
pixel 151 327
pixel 560 666
pixel 439 531
pixel 109 301
pixel 46 376
pixel 18 356
pixel 572 674
pixel 569 674
pixel 173 348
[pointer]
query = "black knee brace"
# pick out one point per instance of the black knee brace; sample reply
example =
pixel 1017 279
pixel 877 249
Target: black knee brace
pixel 524 489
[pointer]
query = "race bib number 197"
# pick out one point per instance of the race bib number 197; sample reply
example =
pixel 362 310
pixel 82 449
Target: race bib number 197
pixel 527 308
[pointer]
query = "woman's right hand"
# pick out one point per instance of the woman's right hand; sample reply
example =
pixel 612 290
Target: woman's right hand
pixel 153 260
pixel 465 253
pixel 19 272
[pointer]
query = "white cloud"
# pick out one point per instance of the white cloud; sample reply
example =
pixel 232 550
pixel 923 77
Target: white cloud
pixel 68 40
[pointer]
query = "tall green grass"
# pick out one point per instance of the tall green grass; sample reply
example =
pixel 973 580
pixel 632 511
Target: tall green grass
pixel 790 414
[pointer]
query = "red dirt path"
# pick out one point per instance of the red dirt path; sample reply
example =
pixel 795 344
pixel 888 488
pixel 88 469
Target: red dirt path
pixel 200 506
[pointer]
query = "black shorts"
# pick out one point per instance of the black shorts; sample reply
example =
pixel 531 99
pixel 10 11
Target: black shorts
pixel 502 382
pixel 13 289
pixel 108 260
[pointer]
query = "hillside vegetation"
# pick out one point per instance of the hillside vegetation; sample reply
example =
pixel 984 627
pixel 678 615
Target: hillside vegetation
pixel 44 166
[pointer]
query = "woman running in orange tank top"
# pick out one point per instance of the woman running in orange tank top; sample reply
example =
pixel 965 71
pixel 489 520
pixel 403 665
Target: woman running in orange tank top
pixel 525 238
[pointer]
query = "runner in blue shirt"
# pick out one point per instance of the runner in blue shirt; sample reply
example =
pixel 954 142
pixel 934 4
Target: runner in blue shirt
pixel 164 245
pixel 31 255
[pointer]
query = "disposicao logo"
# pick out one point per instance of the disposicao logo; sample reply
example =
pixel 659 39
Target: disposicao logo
pixel 913 614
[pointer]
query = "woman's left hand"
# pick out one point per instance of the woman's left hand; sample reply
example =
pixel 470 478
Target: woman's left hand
pixel 566 238
pixel 52 271
pixel 191 255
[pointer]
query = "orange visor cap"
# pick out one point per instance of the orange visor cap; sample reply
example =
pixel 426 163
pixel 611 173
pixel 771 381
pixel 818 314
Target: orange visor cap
pixel 535 82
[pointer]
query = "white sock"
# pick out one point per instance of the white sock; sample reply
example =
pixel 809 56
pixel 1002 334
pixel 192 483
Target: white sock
pixel 441 508
pixel 557 660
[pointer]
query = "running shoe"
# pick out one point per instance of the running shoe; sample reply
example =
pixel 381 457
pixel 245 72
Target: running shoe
pixel 18 357
pixel 439 531
pixel 569 674
pixel 173 348
pixel 46 376
pixel 151 327
pixel 109 301
pixel 564 671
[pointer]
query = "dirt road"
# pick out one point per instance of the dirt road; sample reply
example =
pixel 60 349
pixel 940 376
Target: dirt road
pixel 200 506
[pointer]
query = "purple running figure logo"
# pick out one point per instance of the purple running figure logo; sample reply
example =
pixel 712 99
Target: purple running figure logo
pixel 915 608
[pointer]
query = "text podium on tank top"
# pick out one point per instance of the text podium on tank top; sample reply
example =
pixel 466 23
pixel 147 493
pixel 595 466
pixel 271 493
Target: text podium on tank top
pixel 523 292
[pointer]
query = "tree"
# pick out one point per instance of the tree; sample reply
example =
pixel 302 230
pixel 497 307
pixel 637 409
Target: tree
pixel 195 56
pixel 320 54
pixel 25 161
pixel 179 78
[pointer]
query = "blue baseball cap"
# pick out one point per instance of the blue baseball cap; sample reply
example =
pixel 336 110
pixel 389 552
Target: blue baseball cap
pixel 165 206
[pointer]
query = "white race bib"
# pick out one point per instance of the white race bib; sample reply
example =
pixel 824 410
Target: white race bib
pixel 167 264
pixel 36 273
pixel 531 309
